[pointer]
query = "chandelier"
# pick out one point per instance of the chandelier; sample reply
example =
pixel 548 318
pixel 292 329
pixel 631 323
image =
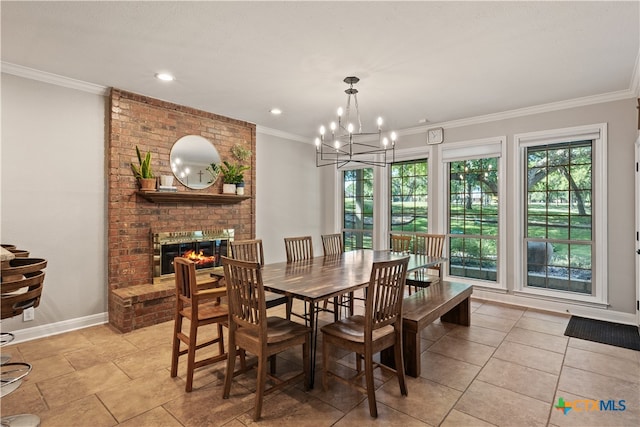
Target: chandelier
pixel 342 144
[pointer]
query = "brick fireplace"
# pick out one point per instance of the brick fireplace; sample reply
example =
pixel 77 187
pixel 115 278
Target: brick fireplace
pixel 135 300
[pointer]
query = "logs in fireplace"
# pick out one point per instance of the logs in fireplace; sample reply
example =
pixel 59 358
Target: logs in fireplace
pixel 205 247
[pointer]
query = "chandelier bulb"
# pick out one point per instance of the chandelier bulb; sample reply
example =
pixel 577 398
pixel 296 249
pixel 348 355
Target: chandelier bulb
pixel 350 127
pixel 385 141
pixel 317 142
pixel 393 137
pixel 379 121
pixel 340 111
pixel 336 144
pixel 333 126
pixel 322 130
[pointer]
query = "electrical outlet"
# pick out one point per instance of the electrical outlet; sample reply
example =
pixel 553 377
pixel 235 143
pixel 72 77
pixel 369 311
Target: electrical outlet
pixel 28 314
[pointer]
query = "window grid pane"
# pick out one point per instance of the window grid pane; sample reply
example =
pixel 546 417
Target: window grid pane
pixel 357 208
pixel 558 217
pixel 409 191
pixel 473 218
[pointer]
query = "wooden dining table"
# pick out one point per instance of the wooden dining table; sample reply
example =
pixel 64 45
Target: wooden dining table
pixel 330 276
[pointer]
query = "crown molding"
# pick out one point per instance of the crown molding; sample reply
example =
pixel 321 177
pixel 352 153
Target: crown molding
pixel 281 134
pixel 42 76
pixel 527 111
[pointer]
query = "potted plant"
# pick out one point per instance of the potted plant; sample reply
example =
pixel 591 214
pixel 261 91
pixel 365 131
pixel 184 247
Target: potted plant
pixel 232 175
pixel 143 171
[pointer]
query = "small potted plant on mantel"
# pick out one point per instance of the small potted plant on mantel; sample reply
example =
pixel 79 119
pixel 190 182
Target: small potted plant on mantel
pixel 232 176
pixel 233 173
pixel 143 172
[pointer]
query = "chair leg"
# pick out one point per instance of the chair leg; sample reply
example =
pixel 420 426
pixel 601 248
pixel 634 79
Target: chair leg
pixel 262 381
pixel 220 339
pixel 175 352
pixel 351 303
pixel 306 362
pixel 325 364
pixel 231 364
pixel 399 364
pixel 371 392
pixel 288 305
pixel 191 353
pixel 272 364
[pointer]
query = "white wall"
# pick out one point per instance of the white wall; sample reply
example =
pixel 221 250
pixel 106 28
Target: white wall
pixel 53 193
pixel 287 194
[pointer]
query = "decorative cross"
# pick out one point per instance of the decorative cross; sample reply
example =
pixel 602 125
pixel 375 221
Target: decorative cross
pixel 200 173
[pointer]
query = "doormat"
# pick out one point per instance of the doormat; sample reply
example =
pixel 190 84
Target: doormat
pixel 616 334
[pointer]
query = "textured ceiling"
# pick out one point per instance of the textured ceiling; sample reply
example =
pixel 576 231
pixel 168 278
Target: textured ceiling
pixel 439 61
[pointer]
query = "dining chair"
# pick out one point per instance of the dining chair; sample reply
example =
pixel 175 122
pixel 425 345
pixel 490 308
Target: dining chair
pixel 431 245
pixel 298 248
pixel 332 244
pixel 251 330
pixel 378 329
pixel 199 313
pixel 251 250
pixel 400 243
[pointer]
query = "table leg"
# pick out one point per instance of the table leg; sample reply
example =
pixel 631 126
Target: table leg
pixel 313 322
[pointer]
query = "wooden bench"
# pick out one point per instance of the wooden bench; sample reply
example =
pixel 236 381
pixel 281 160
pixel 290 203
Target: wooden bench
pixel 450 301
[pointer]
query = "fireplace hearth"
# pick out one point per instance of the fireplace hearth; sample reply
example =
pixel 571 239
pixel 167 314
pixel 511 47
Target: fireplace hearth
pixel 205 247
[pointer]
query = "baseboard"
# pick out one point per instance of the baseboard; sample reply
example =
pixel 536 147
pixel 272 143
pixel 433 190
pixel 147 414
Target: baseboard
pixel 28 334
pixel 556 307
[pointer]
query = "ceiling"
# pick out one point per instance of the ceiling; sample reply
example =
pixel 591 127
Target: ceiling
pixel 417 61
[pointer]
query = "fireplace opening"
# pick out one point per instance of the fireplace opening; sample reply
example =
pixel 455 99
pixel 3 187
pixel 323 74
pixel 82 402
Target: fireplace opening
pixel 205 248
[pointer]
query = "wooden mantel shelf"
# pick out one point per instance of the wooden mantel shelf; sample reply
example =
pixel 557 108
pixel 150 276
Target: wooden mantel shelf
pixel 189 197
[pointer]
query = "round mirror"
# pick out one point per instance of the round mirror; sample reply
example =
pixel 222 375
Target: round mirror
pixel 191 158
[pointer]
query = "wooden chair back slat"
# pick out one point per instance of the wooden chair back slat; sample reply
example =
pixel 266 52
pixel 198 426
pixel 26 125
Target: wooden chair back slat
pixel 429 244
pixel 385 294
pixel 248 250
pixel 298 248
pixel 247 306
pixel 400 243
pixel 332 244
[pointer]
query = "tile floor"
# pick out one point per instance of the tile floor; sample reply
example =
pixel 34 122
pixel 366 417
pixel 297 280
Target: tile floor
pixel 508 368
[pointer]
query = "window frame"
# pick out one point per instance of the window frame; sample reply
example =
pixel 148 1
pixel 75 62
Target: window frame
pixel 403 155
pixel 419 158
pixel 598 134
pixel 340 211
pixel 469 150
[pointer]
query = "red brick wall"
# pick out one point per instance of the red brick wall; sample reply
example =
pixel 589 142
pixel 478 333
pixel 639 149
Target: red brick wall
pixel 155 125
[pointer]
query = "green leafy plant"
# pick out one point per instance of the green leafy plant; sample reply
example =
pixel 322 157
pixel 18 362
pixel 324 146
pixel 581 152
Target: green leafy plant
pixel 232 173
pixel 240 153
pixel 143 171
pixel 214 170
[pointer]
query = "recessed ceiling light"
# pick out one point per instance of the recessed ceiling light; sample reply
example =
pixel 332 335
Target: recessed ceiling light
pixel 275 111
pixel 166 77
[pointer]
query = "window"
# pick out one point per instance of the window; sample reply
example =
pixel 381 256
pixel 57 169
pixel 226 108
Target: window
pixel 357 210
pixel 408 193
pixel 562 250
pixel 473 218
pixel 558 216
pixel 474 184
